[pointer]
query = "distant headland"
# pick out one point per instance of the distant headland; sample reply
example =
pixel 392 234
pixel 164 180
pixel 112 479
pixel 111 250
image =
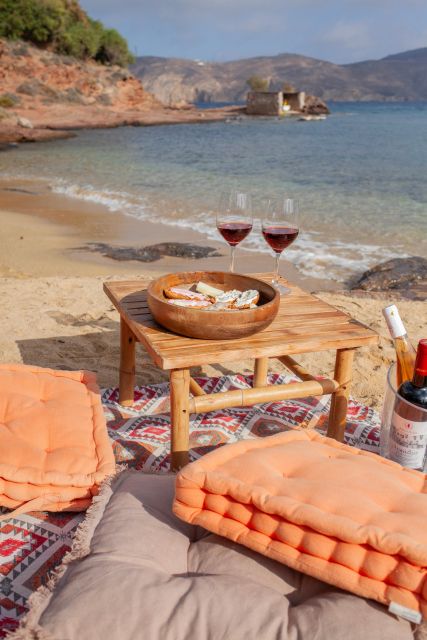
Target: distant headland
pixel 400 77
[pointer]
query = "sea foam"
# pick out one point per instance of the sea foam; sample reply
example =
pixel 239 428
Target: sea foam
pixel 314 257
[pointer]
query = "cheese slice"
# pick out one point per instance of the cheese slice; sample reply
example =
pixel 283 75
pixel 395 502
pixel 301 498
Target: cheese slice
pixel 207 290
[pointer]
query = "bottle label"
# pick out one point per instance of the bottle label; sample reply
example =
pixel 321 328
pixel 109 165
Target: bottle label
pixel 394 322
pixel 408 442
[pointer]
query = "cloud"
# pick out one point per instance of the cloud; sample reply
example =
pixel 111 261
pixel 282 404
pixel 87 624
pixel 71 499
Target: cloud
pixel 363 39
pixel 336 30
pixel 356 36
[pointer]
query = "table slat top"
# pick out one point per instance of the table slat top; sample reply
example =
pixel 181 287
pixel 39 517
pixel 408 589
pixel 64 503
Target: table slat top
pixel 303 324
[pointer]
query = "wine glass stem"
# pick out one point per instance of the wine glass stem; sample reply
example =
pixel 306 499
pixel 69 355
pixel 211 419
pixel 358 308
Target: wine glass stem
pixel 276 277
pixel 233 248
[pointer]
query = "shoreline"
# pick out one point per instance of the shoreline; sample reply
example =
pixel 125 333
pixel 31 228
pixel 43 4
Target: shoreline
pixel 56 124
pixel 55 313
pixel 77 236
pixel 47 234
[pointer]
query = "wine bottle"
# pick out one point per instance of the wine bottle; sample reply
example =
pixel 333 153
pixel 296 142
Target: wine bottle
pixel 405 352
pixel 408 431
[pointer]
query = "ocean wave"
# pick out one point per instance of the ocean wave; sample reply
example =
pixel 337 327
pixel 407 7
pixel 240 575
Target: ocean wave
pixel 113 200
pixel 331 259
pixel 335 259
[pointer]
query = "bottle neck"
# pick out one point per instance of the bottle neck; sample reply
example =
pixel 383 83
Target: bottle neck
pixel 394 322
pixel 419 380
pixel 420 368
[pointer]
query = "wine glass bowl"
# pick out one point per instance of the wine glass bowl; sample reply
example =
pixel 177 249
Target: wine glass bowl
pixel 234 220
pixel 280 228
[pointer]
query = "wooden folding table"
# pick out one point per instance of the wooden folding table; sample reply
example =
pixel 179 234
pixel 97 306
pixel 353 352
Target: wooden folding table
pixel 304 324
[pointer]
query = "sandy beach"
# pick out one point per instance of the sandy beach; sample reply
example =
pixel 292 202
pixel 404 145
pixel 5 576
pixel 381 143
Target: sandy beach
pixel 45 234
pixel 55 314
pixel 67 322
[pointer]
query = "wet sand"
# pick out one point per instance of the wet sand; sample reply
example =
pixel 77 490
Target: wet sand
pixel 46 234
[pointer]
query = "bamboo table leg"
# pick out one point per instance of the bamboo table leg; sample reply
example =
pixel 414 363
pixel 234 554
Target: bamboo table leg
pixel 261 372
pixel 339 400
pixel 127 364
pixel 180 416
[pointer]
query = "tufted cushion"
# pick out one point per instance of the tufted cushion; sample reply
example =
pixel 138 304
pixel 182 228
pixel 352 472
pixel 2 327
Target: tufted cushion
pixel 54 446
pixel 345 516
pixel 150 575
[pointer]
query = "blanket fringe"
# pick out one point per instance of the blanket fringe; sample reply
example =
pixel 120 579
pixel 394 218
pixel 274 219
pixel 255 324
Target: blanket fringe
pixel 420 632
pixel 29 628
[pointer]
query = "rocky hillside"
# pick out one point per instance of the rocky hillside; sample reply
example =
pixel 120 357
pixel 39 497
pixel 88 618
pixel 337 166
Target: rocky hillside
pixel 43 94
pixel 34 79
pixel 396 77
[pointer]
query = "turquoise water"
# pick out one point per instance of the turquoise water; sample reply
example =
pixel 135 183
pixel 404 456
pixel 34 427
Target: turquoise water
pixel 360 177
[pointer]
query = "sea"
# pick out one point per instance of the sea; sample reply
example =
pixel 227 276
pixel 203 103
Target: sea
pixel 360 177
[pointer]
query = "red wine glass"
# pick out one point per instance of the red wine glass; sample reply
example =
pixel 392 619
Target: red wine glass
pixel 234 220
pixel 280 228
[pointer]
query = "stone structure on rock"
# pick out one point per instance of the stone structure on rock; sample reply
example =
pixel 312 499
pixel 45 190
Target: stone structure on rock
pixel 271 103
pixel 264 103
pixel 295 99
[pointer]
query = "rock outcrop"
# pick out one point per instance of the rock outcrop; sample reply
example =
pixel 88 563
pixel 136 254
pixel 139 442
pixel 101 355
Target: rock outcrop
pixel 44 95
pixel 153 252
pixel 315 106
pixel 405 276
pixel 36 81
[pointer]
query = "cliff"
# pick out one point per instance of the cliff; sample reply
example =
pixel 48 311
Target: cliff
pixel 398 77
pixel 45 95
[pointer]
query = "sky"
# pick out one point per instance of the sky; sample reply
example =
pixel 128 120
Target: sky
pixel 340 31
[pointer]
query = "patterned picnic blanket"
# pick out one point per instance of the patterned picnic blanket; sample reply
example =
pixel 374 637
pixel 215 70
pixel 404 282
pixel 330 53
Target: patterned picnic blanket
pixel 31 546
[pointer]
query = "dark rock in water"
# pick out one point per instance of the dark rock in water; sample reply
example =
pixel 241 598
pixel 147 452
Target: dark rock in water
pixel 143 254
pixel 185 250
pixel 407 276
pixel 315 106
pixel 154 252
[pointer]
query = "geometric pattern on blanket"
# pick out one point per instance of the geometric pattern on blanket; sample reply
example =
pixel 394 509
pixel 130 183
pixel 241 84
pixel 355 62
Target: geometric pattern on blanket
pixel 32 545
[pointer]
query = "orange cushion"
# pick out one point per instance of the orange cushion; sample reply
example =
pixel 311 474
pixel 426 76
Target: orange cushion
pixel 344 516
pixel 53 438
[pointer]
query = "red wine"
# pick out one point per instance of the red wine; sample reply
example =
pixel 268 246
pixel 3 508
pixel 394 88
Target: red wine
pixel 279 237
pixel 408 432
pixel 234 232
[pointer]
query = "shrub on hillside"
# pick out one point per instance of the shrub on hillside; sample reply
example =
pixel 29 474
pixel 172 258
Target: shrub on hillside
pixel 81 40
pixel 62 26
pixel 32 20
pixel 288 88
pixel 8 100
pixel 113 49
pixel 256 83
pixel 35 87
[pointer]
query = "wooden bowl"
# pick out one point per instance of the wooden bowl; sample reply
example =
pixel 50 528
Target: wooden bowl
pixel 213 325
